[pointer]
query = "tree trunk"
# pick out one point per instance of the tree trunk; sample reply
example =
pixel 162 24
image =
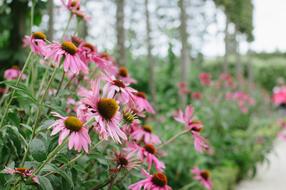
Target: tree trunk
pixel 185 61
pixel 150 59
pixel 51 20
pixel 120 49
pixel 249 69
pixel 239 74
pixel 226 47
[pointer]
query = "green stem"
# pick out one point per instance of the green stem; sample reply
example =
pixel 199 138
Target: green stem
pixel 173 138
pixel 14 90
pixel 188 186
pixel 51 156
pixel 67 26
pixel 61 83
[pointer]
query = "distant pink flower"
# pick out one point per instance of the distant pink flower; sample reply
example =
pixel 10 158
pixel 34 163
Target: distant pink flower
pixel 196 95
pixel 147 154
pixel 123 75
pixel 158 181
pixel 118 89
pixel 37 43
pixel 243 100
pixel 3 90
pixel 205 79
pixel 203 176
pixel 24 172
pixel 13 74
pixel 105 112
pixel 74 129
pixel 141 103
pixel 74 7
pixel 279 95
pixel 183 89
pixel 194 126
pixel 145 133
pixel 69 52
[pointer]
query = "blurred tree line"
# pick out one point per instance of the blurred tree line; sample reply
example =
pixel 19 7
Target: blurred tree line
pixel 178 21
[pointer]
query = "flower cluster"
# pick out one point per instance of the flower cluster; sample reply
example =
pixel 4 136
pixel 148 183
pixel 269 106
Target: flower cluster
pixel 243 100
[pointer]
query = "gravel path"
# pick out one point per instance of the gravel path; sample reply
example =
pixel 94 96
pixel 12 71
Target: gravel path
pixel 270 177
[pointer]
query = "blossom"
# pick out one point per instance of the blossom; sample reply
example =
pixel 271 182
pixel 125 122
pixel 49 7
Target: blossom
pixel 37 43
pixel 74 7
pixel 24 172
pixel 118 89
pixel 69 52
pixel 140 103
pixel 147 153
pixel 105 112
pixel 205 79
pixel 279 95
pixel 196 95
pixel 194 126
pixel 242 99
pixel 123 75
pixel 145 133
pixel 74 128
pixel 13 74
pixel 183 89
pixel 203 176
pixel 157 181
pixel 125 160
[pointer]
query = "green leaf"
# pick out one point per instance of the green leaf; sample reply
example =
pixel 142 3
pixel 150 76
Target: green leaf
pixel 38 150
pixel 45 183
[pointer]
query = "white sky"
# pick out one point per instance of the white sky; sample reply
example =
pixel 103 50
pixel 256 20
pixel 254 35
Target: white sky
pixel 269 29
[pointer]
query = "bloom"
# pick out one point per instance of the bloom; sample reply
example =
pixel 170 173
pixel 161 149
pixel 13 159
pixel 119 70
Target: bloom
pixel 158 181
pixel 147 153
pixel 203 176
pixel 145 133
pixel 141 103
pixel 24 172
pixel 13 74
pixel 125 161
pixel 69 52
pixel 119 89
pixel 74 7
pixel 194 126
pixel 106 114
pixel 205 79
pixel 74 128
pixel 123 75
pixel 279 95
pixel 37 43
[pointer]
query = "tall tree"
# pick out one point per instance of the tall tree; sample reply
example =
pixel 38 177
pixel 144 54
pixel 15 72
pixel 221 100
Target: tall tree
pixel 226 46
pixel 150 59
pixel 185 60
pixel 51 20
pixel 120 31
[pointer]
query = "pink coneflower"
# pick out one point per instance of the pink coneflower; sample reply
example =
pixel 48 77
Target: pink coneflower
pixel 145 133
pixel 158 181
pixel 69 52
pixel 243 100
pixel 87 51
pixel 24 172
pixel 74 7
pixel 147 153
pixel 196 95
pixel 118 89
pixel 183 89
pixel 13 74
pixel 203 176
pixel 205 79
pixel 123 75
pixel 105 111
pixel 141 103
pixel 279 96
pixel 74 128
pixel 126 161
pixel 37 43
pixel 194 126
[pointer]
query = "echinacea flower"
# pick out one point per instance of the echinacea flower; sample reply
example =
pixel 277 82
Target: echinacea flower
pixel 115 88
pixel 74 7
pixel 74 129
pixel 194 126
pixel 105 112
pixel 146 153
pixel 24 172
pixel 205 79
pixel 145 133
pixel 37 43
pixel 141 103
pixel 69 52
pixel 123 75
pixel 203 176
pixel 157 181
pixel 126 161
pixel 13 74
